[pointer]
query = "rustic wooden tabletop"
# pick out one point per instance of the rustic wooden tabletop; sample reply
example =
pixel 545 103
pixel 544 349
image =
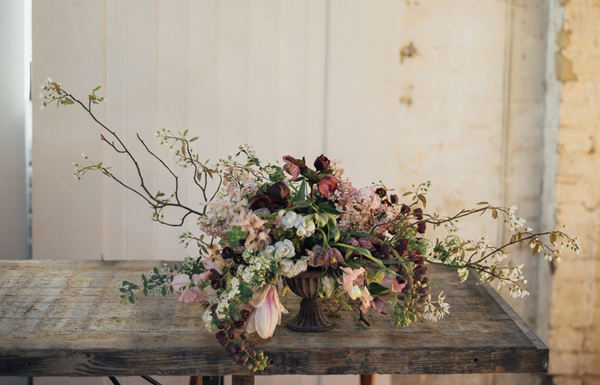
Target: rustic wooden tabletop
pixel 62 318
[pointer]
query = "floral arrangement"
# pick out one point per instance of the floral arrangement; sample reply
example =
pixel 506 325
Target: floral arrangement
pixel 263 223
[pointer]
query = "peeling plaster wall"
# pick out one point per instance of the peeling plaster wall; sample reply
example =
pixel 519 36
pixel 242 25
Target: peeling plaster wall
pixel 574 328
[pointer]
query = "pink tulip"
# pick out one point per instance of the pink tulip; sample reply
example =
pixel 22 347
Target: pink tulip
pixel 266 312
pixel 192 294
pixel 180 281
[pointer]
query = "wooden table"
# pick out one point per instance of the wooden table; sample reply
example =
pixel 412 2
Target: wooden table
pixel 62 318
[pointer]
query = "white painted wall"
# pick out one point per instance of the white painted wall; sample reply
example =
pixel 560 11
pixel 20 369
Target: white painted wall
pixel 13 185
pixel 290 77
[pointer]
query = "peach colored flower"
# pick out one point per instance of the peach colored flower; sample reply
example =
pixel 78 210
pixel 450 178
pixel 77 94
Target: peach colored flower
pixel 353 277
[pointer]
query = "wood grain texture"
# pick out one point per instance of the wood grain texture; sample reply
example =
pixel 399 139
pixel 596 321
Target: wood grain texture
pixel 62 318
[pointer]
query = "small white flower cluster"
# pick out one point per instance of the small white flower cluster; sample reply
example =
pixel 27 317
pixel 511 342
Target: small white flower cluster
pixel 259 265
pixel 435 310
pixel 513 223
pixel 303 227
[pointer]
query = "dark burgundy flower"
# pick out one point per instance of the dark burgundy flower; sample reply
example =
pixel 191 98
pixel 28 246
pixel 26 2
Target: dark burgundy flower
pixel 278 192
pixel 327 185
pixel 321 163
pixel 291 166
pixel 261 201
pixel 419 214
pixel 404 209
pixel 381 192
pixel 421 227
pixel 402 246
pixel 394 198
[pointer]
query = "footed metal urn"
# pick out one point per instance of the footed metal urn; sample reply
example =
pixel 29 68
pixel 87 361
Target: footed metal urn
pixel 310 318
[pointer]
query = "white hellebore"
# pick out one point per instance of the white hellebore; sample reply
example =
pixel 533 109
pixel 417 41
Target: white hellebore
pixel 266 312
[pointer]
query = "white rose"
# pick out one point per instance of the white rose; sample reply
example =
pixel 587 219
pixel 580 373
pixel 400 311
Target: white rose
pixel 284 249
pixel 289 219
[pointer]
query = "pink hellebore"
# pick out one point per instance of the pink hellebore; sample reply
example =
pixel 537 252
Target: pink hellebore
pixel 266 312
pixel 391 283
pixel 291 166
pixel 327 185
pixel 353 277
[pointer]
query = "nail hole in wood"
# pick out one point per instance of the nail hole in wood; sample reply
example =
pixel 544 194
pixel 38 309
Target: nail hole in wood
pixel 474 359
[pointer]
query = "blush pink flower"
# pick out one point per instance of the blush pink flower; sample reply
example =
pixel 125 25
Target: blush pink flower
pixel 353 277
pixel 266 311
pixel 180 281
pixel 192 294
pixel 391 283
pixel 365 299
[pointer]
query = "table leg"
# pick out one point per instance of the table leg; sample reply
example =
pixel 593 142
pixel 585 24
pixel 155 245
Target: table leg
pixel 213 380
pixel 242 380
pixel 367 379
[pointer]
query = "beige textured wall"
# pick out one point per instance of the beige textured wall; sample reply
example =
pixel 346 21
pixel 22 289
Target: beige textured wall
pixel 574 329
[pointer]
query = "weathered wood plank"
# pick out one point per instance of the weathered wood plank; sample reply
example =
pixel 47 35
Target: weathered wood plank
pixel 63 319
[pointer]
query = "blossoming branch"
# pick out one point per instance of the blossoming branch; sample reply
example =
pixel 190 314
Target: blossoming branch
pixel 263 225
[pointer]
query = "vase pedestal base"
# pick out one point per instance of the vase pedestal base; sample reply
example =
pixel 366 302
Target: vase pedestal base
pixel 310 318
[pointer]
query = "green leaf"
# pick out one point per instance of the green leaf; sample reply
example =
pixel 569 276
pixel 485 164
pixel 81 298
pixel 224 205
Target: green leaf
pixel 185 132
pixel 123 290
pixel 131 299
pixel 407 193
pixel 302 192
pixel 363 325
pixel 235 236
pixel 376 289
pixel 164 291
pixel 156 271
pixel 344 303
pixel 97 88
pixel 194 139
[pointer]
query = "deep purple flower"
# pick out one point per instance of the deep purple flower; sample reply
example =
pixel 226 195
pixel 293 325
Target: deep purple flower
pixel 262 201
pixel 321 163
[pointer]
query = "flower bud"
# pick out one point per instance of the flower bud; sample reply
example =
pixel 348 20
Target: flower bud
pixel 321 163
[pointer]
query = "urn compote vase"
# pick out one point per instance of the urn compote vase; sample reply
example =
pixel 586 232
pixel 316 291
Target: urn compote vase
pixel 310 317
